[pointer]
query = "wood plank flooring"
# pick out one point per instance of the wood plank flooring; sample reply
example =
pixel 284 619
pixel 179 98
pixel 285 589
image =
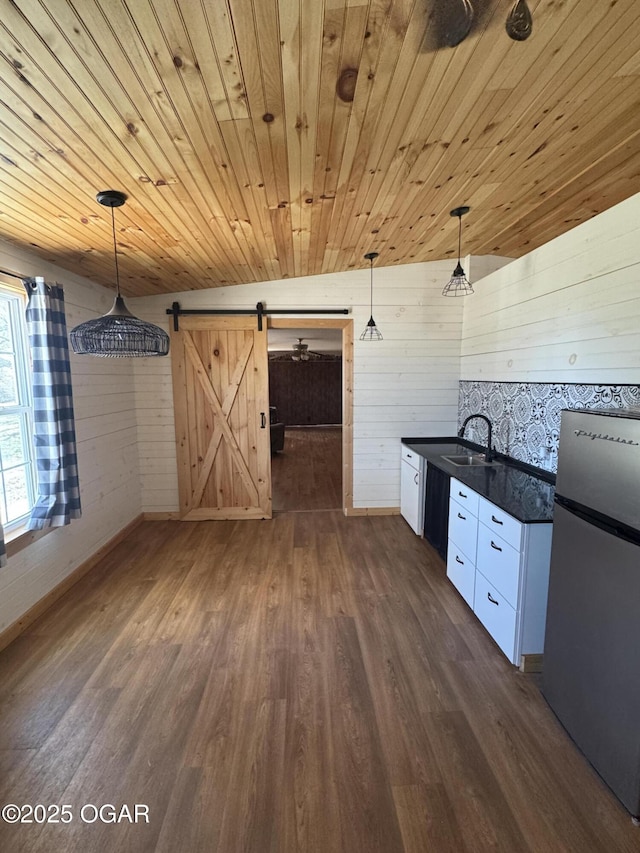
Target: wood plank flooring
pixel 310 684
pixel 307 474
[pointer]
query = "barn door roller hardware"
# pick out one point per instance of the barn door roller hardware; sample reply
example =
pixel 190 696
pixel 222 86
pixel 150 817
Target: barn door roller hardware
pixel 260 311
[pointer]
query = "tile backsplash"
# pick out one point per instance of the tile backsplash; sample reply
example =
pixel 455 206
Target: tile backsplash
pixel 526 415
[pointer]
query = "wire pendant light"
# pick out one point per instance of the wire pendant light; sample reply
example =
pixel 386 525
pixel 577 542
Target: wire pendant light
pixel 371 331
pixel 458 284
pixel 118 333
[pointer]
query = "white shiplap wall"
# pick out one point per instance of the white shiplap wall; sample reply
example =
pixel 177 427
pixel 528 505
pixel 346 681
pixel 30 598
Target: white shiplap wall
pixel 566 312
pixel 406 384
pixel 104 404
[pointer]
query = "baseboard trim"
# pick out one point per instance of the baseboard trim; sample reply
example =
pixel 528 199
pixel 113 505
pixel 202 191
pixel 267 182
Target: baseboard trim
pixel 161 516
pixel 531 663
pixel 20 625
pixel 372 510
pixel 348 511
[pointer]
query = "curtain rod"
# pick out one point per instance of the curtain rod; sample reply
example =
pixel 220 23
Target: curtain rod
pixel 14 274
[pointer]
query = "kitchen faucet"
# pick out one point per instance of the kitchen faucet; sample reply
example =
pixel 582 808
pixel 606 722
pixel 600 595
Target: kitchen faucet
pixel 489 453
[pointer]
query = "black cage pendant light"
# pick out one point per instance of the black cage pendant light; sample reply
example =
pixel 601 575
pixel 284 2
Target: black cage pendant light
pixel 458 284
pixel 371 332
pixel 118 333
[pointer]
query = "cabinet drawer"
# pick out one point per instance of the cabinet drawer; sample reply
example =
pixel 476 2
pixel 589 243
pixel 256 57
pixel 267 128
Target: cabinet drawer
pixel 505 525
pixel 461 572
pixel 463 528
pixel 499 563
pixel 465 496
pixel 411 457
pixel 496 614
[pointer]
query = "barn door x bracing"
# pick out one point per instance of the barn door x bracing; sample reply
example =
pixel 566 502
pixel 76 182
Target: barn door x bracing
pixel 221 398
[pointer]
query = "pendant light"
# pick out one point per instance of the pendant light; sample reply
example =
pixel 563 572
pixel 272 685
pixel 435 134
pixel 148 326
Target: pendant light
pixel 371 332
pixel 458 284
pixel 118 333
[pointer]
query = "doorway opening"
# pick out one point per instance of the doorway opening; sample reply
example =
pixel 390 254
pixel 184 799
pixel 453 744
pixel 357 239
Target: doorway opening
pixel 310 398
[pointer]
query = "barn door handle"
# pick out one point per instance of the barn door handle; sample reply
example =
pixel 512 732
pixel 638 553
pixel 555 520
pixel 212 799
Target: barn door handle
pixel 263 420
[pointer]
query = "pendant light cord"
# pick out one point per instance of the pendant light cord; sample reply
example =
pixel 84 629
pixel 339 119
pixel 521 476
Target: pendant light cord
pixel 115 250
pixel 371 275
pixel 459 235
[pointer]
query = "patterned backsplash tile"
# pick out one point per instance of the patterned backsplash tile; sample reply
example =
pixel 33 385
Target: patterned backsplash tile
pixel 526 415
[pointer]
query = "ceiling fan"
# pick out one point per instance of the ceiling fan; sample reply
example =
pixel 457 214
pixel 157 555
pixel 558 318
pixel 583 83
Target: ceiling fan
pixel 301 352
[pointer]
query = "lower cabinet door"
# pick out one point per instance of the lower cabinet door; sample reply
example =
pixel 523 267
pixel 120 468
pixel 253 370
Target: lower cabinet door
pixel 461 572
pixel 496 614
pixel 411 496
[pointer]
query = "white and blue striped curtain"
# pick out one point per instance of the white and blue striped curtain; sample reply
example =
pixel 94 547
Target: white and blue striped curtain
pixel 58 498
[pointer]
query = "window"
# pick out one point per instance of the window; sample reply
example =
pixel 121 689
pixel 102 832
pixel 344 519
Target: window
pixel 17 474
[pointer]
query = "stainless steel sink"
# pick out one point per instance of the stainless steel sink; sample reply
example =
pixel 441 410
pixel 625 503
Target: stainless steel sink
pixel 469 460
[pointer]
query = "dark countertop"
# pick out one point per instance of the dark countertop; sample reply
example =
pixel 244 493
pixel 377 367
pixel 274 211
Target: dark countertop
pixel 513 486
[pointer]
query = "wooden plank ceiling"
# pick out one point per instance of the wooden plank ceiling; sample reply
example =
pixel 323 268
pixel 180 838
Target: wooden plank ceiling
pixel 221 121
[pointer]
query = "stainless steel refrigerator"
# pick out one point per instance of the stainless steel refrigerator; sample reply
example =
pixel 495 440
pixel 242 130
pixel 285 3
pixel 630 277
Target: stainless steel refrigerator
pixel 591 664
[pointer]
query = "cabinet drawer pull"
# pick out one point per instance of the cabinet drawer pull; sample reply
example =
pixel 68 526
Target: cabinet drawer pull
pixel 497 547
pixel 463 517
pixel 409 456
pixel 496 520
pixel 492 600
pixel 415 479
pixel 462 494
pixel 458 560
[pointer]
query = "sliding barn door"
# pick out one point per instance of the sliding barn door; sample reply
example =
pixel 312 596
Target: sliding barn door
pixel 221 398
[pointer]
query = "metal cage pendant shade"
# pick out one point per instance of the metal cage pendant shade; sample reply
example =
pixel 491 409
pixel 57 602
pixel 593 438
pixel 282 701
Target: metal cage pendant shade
pixel 371 331
pixel 118 333
pixel 458 284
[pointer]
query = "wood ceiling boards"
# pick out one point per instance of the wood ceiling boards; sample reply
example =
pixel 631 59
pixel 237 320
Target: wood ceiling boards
pixel 222 123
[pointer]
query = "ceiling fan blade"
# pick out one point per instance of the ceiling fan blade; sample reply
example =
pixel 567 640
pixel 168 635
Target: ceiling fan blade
pixel 457 21
pixel 519 23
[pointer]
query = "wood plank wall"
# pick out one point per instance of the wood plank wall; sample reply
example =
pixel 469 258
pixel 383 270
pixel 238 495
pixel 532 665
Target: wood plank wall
pixel 406 384
pixel 106 433
pixel 566 312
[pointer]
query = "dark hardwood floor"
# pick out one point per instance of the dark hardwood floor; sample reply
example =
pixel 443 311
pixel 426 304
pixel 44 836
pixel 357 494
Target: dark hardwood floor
pixel 310 683
pixel 307 474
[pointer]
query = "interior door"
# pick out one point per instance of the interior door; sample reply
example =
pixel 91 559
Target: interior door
pixel 221 399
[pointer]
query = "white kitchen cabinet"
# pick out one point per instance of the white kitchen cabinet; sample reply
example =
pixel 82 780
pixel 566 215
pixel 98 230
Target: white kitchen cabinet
pixel 461 572
pixel 463 528
pixel 463 534
pixel 506 564
pixel 497 615
pixel 465 496
pixel 412 485
pixel 499 562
